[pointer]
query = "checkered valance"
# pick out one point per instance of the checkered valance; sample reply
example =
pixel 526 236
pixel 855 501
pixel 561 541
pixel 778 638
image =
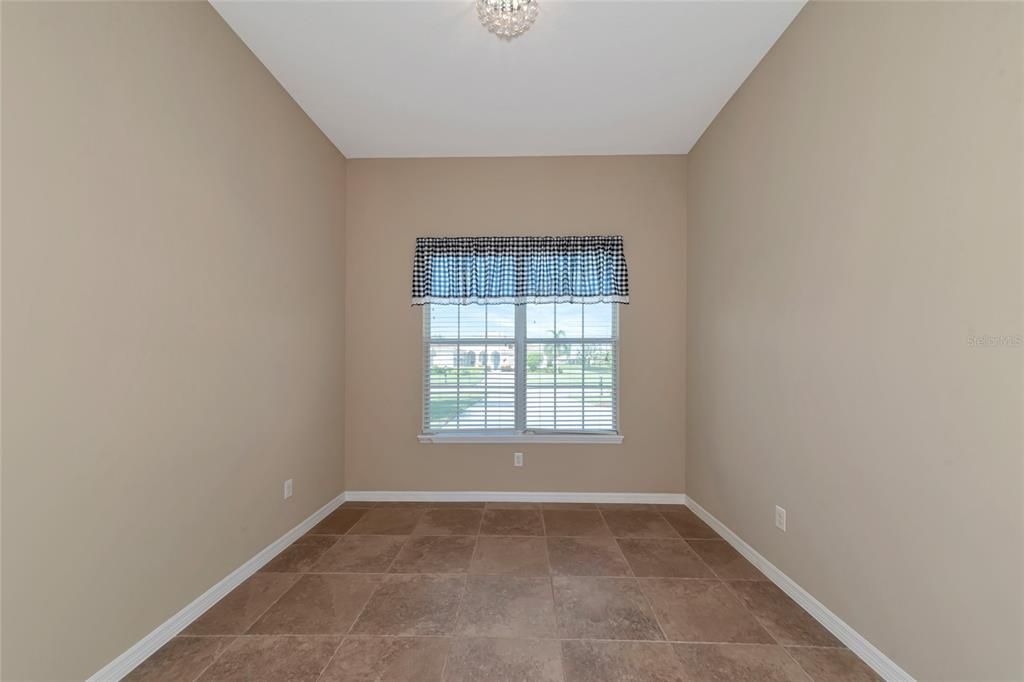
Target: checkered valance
pixel 458 270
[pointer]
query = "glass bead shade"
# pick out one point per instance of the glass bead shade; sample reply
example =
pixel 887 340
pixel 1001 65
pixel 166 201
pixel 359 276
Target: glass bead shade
pixel 507 18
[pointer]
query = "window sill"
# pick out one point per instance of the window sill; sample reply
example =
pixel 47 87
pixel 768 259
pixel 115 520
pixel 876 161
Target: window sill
pixel 581 438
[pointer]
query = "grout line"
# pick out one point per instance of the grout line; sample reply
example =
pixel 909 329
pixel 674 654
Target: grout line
pixel 383 579
pixel 554 603
pixel 701 559
pixel 345 636
pixel 265 635
pixel 753 615
pixel 561 649
pixel 360 635
pixel 331 658
pixel 629 566
pixel 654 612
pixel 806 673
pixel 387 569
pixel 455 624
pixel 355 620
pixel 447 654
pixel 516 575
pixel 362 609
pixel 664 518
pixel 272 604
pixel 215 658
pixel 551 585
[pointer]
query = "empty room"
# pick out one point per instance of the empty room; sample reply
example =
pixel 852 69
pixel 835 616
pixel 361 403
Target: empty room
pixel 511 341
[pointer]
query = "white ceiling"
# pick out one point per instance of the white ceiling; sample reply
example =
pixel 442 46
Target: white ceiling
pixel 400 79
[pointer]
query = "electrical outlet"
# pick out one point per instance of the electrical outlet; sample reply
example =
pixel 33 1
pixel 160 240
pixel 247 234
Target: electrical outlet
pixel 780 518
pixel 287 488
pixel 517 459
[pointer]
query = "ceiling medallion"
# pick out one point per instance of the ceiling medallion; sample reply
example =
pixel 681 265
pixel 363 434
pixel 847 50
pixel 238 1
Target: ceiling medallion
pixel 507 18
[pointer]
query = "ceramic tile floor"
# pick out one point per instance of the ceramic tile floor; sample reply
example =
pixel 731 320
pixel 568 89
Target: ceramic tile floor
pixel 461 592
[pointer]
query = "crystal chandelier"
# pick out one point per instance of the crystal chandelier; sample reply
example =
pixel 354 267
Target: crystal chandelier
pixel 507 18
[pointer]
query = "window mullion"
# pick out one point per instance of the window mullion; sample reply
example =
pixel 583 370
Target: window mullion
pixel 583 368
pixel 520 368
pixel 487 335
pixel 458 369
pixel 554 365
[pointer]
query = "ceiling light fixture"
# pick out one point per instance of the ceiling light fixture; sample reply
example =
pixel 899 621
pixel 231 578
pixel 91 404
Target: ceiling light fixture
pixel 507 18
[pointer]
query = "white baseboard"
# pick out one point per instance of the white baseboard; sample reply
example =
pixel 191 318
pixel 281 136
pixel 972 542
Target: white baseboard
pixel 493 496
pixel 864 649
pixel 145 647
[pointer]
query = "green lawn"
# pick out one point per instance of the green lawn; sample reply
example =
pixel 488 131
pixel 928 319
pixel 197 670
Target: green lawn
pixel 570 375
pixel 445 407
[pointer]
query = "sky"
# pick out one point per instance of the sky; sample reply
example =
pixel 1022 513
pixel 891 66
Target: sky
pixel 576 320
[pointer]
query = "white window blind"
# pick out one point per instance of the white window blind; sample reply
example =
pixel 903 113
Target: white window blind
pixel 521 369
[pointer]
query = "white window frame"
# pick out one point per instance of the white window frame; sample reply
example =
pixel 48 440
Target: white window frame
pixel 521 434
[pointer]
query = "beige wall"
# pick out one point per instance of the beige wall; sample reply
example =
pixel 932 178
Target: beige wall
pixel 854 217
pixel 391 202
pixel 172 320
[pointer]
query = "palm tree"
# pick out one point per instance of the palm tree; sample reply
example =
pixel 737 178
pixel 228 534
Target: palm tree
pixel 555 350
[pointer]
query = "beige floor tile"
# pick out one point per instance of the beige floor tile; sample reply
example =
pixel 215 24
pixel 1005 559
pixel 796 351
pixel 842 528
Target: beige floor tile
pixel 449 522
pixel 512 522
pixel 638 524
pixel 360 554
pixel 586 556
pixel 339 521
pixel 412 605
pixel 183 658
pixel 701 611
pixel 590 661
pixel 387 521
pixel 274 658
pixel 689 525
pixel 663 558
pixel 239 609
pixel 573 522
pixel 435 554
pixel 388 659
pixel 725 561
pixel 833 665
pixel 506 606
pixel 504 660
pixel 521 556
pixel 301 555
pixel 603 608
pixel 781 616
pixel 318 604
pixel 726 662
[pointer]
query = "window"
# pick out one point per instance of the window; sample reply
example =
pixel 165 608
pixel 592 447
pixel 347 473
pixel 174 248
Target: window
pixel 520 337
pixel 528 370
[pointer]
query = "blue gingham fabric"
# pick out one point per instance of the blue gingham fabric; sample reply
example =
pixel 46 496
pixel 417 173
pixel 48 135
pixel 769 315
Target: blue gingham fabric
pixel 460 270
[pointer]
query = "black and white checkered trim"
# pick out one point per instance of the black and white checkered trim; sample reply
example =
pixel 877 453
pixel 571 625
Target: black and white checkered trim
pixel 459 270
